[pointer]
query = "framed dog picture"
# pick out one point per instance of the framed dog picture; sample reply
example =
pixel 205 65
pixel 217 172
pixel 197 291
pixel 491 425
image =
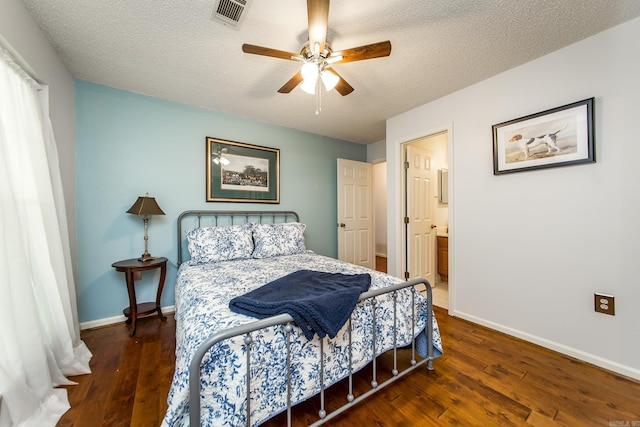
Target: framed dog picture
pixel 557 137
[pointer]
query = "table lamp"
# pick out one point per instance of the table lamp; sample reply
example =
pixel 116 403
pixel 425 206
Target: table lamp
pixel 146 206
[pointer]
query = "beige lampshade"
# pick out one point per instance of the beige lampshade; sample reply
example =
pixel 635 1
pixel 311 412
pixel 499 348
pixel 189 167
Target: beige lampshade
pixel 145 205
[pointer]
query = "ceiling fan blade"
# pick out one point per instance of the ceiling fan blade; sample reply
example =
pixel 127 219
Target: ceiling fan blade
pixel 370 51
pixel 342 87
pixel 267 51
pixel 292 83
pixel 318 11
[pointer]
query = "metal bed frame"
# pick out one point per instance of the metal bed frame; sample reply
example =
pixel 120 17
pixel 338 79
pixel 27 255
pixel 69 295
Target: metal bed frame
pixel 286 321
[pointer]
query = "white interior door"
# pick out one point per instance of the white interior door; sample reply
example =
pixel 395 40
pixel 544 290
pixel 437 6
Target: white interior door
pixel 420 235
pixel 355 213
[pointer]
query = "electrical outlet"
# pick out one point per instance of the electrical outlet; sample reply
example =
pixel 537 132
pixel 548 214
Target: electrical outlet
pixel 605 304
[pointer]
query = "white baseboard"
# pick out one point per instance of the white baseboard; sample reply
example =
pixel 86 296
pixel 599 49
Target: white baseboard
pixel 551 345
pixel 117 319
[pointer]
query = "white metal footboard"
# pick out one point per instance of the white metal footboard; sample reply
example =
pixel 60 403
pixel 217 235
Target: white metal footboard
pixel 287 321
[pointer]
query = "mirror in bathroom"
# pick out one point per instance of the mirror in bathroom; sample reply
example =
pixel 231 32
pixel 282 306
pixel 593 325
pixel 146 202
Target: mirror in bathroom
pixel 443 185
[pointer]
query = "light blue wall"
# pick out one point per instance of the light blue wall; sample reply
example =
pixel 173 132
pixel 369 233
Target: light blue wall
pixel 129 144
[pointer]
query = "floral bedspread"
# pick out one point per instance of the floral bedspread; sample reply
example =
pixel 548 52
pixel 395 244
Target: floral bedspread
pixel 202 299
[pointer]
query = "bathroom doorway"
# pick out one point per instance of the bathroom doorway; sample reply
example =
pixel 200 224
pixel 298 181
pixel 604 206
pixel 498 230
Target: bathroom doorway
pixel 426 213
pixel 380 214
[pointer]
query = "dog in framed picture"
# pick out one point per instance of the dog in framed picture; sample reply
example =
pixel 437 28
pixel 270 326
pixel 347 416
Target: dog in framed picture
pixel 528 143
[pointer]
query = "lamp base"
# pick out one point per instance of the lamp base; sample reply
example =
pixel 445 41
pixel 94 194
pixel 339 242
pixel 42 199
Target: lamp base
pixel 146 257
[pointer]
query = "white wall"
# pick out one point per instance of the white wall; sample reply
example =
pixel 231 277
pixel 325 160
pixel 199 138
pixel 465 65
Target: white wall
pixel 529 249
pixel 22 34
pixel 376 154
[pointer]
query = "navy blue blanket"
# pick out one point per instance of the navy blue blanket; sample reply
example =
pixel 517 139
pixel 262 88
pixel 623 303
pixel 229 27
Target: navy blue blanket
pixel 318 302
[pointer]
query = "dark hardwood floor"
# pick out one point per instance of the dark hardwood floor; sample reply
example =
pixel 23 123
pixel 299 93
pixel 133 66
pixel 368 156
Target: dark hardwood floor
pixel 381 263
pixel 485 378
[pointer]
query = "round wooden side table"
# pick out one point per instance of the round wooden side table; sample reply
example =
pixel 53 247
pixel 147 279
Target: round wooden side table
pixel 131 266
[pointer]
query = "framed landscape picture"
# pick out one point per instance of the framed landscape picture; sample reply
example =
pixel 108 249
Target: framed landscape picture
pixel 557 137
pixel 239 172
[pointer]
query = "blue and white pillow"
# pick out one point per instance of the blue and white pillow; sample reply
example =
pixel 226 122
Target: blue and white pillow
pixel 212 244
pixel 278 239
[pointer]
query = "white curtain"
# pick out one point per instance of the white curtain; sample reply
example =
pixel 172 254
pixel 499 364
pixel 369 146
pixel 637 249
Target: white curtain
pixel 39 335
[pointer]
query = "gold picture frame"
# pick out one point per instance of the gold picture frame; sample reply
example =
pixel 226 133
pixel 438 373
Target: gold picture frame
pixel 241 172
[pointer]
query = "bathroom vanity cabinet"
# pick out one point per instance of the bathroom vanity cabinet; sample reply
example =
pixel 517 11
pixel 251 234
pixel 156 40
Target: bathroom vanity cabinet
pixel 443 257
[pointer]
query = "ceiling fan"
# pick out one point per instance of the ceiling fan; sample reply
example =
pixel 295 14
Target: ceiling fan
pixel 318 57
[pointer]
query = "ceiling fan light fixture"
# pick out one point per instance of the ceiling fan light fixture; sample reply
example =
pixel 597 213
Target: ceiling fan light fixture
pixel 309 86
pixel 309 72
pixel 329 79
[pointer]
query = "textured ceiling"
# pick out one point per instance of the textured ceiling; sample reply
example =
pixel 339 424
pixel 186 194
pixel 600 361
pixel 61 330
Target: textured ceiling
pixel 172 49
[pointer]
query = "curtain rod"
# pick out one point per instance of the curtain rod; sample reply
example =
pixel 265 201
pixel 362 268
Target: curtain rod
pixel 11 61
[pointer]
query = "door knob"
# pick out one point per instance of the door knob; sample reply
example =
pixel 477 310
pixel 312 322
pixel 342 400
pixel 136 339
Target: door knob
pixel 434 226
pixel 342 225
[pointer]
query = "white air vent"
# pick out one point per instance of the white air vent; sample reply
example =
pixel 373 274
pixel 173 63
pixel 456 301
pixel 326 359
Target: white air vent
pixel 230 12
